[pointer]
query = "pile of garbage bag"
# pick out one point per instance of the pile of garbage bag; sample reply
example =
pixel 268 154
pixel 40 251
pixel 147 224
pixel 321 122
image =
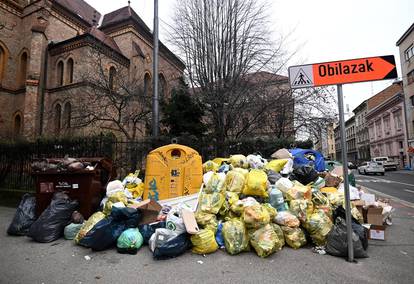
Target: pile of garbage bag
pixel 246 203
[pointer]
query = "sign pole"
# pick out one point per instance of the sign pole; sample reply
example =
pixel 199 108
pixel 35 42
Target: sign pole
pixel 345 174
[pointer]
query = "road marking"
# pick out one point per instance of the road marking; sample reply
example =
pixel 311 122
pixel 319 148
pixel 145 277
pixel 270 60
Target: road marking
pixel 409 190
pixel 406 203
pixel 385 181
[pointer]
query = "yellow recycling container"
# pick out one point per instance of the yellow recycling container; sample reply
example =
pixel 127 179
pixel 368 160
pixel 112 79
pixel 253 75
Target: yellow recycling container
pixel 173 170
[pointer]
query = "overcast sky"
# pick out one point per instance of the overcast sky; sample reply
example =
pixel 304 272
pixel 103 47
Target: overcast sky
pixel 323 30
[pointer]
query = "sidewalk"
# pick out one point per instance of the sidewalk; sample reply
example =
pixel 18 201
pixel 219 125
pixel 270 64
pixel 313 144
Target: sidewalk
pixel 24 261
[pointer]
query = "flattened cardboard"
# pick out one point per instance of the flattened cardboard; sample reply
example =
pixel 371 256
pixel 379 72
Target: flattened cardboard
pixel 368 198
pixel 189 221
pixel 377 233
pixel 150 210
pixel 374 216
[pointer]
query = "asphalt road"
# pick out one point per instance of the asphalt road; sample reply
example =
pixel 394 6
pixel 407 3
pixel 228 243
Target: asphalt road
pixel 398 184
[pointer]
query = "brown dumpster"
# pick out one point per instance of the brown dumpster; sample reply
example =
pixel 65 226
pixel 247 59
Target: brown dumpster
pixel 86 186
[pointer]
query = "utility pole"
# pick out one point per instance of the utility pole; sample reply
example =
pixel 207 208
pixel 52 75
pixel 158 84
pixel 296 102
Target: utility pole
pixel 155 100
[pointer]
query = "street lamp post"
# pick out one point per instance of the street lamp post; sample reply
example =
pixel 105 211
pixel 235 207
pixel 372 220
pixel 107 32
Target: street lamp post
pixel 155 100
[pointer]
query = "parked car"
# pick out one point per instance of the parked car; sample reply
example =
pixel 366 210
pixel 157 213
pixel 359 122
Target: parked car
pixel 371 168
pixel 388 163
pixel 351 166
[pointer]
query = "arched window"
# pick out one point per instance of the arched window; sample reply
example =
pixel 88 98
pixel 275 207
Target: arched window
pixel 17 125
pixel 112 74
pixel 3 58
pixel 162 87
pixel 23 69
pixel 57 118
pixel 69 72
pixel 59 74
pixel 67 113
pixel 147 84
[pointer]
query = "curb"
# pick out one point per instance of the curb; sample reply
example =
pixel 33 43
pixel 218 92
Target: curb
pixel 406 203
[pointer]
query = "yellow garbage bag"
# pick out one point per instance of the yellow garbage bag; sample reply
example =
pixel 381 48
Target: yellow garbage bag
pixel 206 220
pixel 285 218
pixel 301 208
pixel 271 210
pixel 137 190
pixel 276 165
pixel 279 233
pixel 215 183
pixel 235 236
pixel 298 191
pixel 210 166
pixel 265 241
pixel 294 237
pixel 318 226
pixel 244 172
pixel 204 242
pixel 220 161
pixel 357 215
pixel 256 184
pixel 329 190
pixel 134 184
pixel 239 161
pixel 335 199
pixel 211 202
pixel 234 181
pixel 114 198
pixel 88 225
pixel 255 216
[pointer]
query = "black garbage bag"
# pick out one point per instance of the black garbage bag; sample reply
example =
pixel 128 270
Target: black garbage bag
pixel 337 244
pixel 273 176
pixel 51 223
pixel 147 230
pixel 24 217
pixel 106 232
pixel 358 229
pixel 173 248
pixel 304 174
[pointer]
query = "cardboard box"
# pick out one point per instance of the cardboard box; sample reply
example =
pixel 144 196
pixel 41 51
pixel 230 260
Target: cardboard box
pixel 374 216
pixel 190 222
pixel 376 233
pixel 150 210
pixel 359 204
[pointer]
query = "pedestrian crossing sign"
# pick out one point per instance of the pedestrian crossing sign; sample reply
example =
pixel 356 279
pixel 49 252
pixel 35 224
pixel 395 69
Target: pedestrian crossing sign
pixel 301 77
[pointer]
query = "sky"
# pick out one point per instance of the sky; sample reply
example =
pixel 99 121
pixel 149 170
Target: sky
pixel 318 30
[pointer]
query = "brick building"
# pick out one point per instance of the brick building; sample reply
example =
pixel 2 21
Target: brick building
pixel 386 124
pixel 48 47
pixel 406 46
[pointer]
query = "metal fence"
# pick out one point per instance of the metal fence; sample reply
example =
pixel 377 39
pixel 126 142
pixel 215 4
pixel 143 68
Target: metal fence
pixel 16 158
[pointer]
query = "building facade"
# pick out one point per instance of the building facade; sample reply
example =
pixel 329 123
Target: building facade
pixel 386 124
pixel 406 47
pixel 52 54
pixel 338 147
pixel 350 132
pixel 361 133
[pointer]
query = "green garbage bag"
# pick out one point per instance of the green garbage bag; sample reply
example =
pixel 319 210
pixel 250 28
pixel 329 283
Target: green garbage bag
pixel 129 241
pixel 71 231
pixel 235 236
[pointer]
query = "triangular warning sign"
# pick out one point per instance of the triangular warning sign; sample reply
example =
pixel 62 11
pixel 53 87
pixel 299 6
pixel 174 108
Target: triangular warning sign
pixel 302 79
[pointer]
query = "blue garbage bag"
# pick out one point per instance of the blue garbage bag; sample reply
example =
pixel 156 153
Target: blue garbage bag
pixel 173 248
pixel 299 158
pixel 106 232
pixel 147 230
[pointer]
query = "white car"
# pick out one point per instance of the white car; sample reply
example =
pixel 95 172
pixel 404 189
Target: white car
pixel 371 168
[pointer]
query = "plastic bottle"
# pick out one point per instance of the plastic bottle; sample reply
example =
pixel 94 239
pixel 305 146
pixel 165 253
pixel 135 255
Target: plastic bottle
pixel 276 198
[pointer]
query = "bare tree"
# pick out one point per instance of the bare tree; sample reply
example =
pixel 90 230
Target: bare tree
pixel 222 42
pixel 111 99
